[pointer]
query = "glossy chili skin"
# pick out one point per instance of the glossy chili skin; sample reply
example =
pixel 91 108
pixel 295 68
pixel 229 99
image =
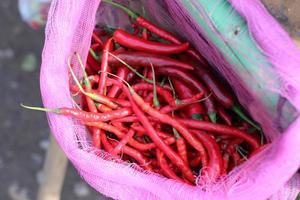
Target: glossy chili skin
pixel 194 111
pixel 220 92
pixel 108 46
pixel 141 59
pixel 133 42
pixel 191 81
pixel 93 116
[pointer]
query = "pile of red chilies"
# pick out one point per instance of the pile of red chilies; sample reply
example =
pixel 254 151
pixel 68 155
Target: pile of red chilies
pixel 151 99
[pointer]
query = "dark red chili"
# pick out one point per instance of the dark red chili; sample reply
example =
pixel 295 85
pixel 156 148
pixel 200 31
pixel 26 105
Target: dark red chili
pixel 193 83
pixel 214 168
pixel 141 59
pixel 140 44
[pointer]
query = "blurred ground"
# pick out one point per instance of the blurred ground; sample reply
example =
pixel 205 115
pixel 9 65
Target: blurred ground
pixel 24 134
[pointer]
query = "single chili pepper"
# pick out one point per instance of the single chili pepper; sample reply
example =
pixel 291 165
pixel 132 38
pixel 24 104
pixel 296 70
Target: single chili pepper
pixel 143 162
pixel 165 167
pixel 156 30
pixel 141 59
pixel 140 44
pixel 214 168
pixel 219 129
pixel 157 140
pixel 108 46
pixel 193 83
pixel 171 121
pixel 86 116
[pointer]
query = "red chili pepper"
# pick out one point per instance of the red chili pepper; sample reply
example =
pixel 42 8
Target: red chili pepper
pixel 86 116
pixel 104 65
pixel 194 111
pixel 171 121
pixel 219 129
pixel 157 140
pixel 141 59
pixel 156 30
pixel 122 72
pixel 95 131
pixel 140 44
pixel 193 83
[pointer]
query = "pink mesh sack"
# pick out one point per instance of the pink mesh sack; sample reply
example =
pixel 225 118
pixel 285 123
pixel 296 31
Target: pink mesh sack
pixel 263 71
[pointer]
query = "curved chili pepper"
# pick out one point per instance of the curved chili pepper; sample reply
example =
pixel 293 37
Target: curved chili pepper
pixel 86 116
pixel 194 111
pixel 219 129
pixel 193 83
pixel 141 59
pixel 214 168
pixel 137 43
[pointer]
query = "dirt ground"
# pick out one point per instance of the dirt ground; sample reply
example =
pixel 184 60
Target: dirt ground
pixel 24 134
